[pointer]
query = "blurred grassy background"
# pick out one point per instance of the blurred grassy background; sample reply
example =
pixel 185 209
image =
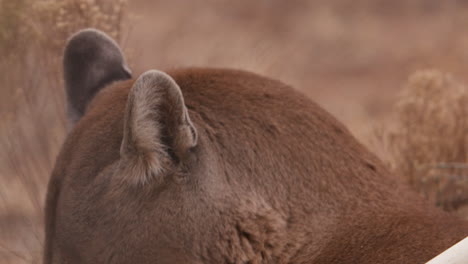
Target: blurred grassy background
pixel 352 57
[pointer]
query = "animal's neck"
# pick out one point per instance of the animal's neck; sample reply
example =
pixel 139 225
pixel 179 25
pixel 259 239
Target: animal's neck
pixel 396 237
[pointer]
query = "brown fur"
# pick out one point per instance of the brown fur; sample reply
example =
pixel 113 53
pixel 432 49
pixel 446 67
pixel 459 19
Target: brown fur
pixel 273 179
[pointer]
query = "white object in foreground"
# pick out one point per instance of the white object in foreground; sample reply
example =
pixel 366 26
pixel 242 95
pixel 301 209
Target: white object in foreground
pixel 457 254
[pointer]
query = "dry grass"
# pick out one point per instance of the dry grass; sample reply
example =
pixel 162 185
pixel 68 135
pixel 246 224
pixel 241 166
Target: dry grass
pixel 32 125
pixel 348 57
pixel 428 143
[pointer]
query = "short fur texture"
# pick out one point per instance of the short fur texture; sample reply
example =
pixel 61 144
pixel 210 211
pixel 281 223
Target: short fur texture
pixel 156 125
pixel 264 175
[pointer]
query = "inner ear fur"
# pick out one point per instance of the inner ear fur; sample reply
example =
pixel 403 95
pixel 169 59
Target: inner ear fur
pixel 158 131
pixel 91 61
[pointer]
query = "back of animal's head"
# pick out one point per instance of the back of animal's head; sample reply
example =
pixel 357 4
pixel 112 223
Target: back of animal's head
pixel 114 195
pixel 194 166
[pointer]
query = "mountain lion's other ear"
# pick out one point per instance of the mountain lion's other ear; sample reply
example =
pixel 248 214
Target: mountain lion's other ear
pixel 158 131
pixel 91 61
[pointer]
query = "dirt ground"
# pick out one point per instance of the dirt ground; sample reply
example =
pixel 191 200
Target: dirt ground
pixel 352 57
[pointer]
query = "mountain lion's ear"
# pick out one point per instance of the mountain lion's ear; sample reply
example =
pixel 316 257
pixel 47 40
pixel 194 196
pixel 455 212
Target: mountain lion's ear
pixel 91 61
pixel 157 129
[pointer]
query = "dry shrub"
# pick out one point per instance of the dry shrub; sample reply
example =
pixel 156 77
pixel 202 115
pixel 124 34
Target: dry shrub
pixel 32 121
pixel 428 144
pixel 66 17
pixel 11 28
